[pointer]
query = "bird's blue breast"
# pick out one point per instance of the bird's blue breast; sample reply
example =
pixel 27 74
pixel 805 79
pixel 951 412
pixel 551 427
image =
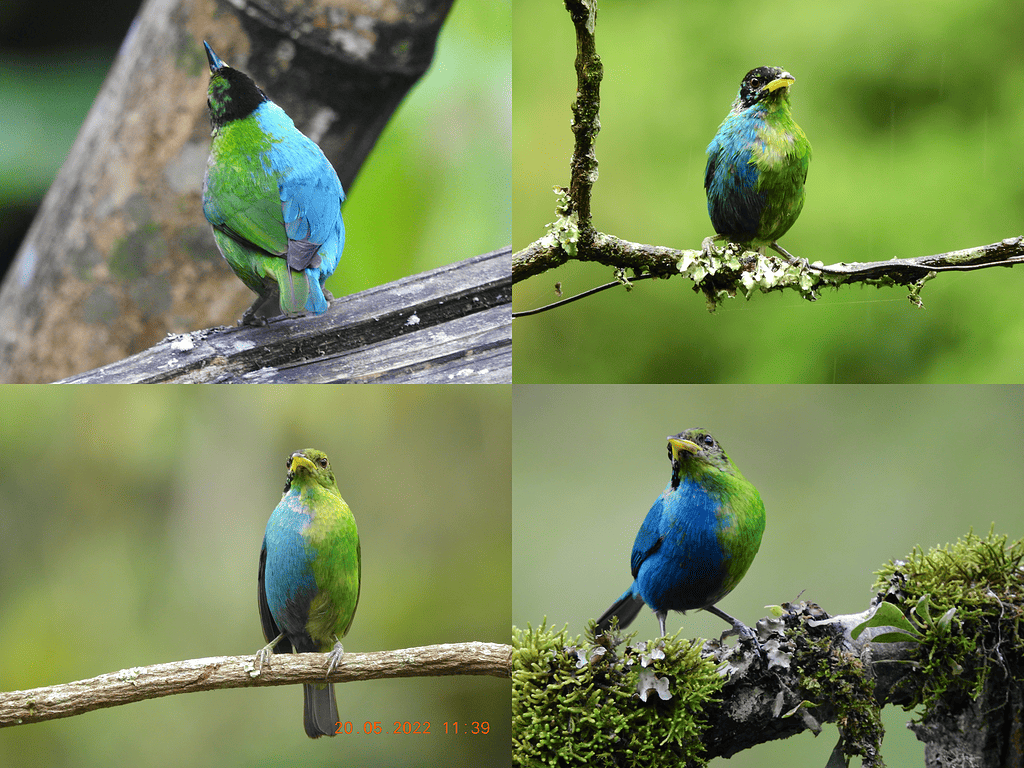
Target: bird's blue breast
pixel 731 178
pixel 288 575
pixel 311 195
pixel 678 562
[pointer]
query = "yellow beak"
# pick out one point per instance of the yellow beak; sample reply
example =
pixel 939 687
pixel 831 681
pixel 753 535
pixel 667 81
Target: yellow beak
pixel 298 460
pixel 682 445
pixel 781 82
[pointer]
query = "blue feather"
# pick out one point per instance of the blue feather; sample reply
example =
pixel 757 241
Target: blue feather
pixel 311 196
pixel 288 575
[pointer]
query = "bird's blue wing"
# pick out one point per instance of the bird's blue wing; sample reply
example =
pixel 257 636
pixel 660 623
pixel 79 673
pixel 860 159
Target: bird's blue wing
pixel 648 538
pixel 311 197
pixel 270 628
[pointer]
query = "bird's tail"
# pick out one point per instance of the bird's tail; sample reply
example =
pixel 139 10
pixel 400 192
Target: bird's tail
pixel 625 608
pixel 293 286
pixel 319 710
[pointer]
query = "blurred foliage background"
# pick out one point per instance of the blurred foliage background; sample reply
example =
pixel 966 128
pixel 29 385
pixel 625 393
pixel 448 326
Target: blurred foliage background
pixel 916 128
pixel 130 526
pixel 850 476
pixel 435 189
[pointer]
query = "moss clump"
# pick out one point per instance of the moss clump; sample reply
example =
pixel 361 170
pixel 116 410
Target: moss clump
pixel 833 683
pixel 595 704
pixel 976 586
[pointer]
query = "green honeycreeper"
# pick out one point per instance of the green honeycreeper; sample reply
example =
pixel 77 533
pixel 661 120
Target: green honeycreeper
pixel 697 541
pixel 273 198
pixel 757 163
pixel 309 578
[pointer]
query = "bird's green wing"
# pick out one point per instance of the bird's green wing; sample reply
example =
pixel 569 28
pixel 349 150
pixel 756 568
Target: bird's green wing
pixel 249 213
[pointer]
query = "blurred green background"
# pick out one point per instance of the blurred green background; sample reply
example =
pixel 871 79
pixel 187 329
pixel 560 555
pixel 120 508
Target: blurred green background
pixel 435 189
pixel 916 128
pixel 130 527
pixel 850 476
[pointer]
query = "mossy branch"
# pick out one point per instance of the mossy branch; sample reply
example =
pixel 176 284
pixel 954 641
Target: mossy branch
pixel 955 652
pixel 158 680
pixel 718 273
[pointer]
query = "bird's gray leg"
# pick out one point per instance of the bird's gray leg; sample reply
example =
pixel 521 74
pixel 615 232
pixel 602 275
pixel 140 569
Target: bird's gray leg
pixel 707 245
pixel 335 656
pixel 738 627
pixel 790 257
pixel 263 654
pixel 261 309
pixel 661 620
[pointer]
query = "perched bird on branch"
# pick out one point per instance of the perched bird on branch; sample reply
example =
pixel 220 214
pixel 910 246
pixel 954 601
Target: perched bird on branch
pixel 697 541
pixel 309 575
pixel 757 163
pixel 273 198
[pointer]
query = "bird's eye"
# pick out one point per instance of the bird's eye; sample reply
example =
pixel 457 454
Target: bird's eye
pixel 709 441
pixel 323 462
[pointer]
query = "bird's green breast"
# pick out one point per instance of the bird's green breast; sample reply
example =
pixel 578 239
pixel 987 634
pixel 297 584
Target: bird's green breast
pixel 781 145
pixel 333 540
pixel 782 155
pixel 741 522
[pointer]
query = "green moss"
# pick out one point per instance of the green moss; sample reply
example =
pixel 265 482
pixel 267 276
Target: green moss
pixel 580 704
pixel 966 599
pixel 834 684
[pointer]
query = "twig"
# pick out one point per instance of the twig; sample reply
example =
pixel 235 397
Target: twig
pixel 139 683
pixel 585 109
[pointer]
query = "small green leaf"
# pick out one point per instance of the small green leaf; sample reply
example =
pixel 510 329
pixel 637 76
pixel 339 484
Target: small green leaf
pixel 895 637
pixel 886 615
pixel 921 610
pixel 946 619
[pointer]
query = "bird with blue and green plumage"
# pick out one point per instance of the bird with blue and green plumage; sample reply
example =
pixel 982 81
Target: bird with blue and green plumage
pixel 698 539
pixel 757 164
pixel 272 197
pixel 309 578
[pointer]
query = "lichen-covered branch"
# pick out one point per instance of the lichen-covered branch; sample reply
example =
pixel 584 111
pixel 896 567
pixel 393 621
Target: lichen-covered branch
pixel 944 635
pixel 139 683
pixel 729 271
pixel 719 273
pixel 585 109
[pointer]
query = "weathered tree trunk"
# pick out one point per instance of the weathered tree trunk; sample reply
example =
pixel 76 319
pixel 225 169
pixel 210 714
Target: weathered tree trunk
pixel 987 733
pixel 120 254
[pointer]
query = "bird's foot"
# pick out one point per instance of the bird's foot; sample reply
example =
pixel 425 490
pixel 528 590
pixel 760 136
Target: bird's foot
pixel 263 654
pixel 334 658
pixel 707 247
pixel 738 628
pixel 795 261
pixel 250 318
pixel 746 633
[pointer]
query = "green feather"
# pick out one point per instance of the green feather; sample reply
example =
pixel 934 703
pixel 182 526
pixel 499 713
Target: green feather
pixel 337 563
pixel 782 157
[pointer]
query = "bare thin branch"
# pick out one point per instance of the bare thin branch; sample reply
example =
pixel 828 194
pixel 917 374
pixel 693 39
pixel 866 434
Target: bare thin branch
pixel 152 682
